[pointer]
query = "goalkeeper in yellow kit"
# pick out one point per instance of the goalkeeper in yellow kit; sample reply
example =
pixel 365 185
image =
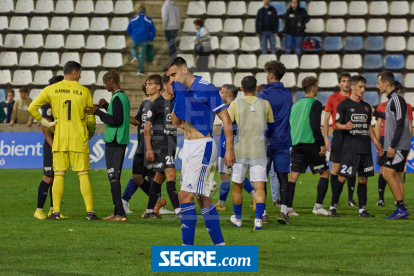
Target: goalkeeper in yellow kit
pixel 73 129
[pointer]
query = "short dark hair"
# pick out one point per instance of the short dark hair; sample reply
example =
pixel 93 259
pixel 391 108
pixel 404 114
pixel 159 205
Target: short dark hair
pixel 56 79
pixel 357 78
pixel 144 88
pixel 344 75
pixel 70 66
pixel 111 75
pixel 398 86
pixel 308 83
pixel 276 68
pixel 24 90
pixel 198 22
pixel 249 84
pixel 231 88
pixel 142 9
pixel 387 76
pixel 157 79
pixel 177 61
pixel 261 88
pixel 165 79
pixel 10 91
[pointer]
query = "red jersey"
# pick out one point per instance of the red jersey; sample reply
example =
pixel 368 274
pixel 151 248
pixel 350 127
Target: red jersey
pixel 381 108
pixel 332 104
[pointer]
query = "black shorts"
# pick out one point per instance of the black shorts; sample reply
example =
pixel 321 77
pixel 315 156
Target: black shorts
pixel 304 156
pixel 114 157
pixel 381 159
pixel 162 161
pixel 398 162
pixel 336 146
pixel 47 160
pixel 138 165
pixel 352 163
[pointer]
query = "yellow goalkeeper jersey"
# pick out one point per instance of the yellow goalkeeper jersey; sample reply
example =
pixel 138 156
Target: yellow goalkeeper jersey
pixel 68 100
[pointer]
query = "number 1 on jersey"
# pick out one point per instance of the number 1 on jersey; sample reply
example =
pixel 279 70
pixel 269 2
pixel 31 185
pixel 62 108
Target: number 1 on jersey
pixel 68 104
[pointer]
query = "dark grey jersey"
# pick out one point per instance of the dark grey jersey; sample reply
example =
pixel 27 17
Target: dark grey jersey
pixel 397 129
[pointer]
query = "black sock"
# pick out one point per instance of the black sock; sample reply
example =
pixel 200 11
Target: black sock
pixel 117 198
pixel 42 192
pixel 51 196
pixel 336 187
pixel 322 189
pixel 172 193
pixel 362 192
pixel 382 183
pixel 283 180
pixel 351 187
pixel 401 205
pixel 154 194
pixel 291 192
pixel 145 187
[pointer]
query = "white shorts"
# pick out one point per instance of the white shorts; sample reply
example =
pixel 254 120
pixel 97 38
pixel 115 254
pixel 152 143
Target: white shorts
pixel 221 168
pixel 199 166
pixel 257 172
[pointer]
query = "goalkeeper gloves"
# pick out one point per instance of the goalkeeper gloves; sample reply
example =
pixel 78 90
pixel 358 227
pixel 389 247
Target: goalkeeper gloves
pixel 45 123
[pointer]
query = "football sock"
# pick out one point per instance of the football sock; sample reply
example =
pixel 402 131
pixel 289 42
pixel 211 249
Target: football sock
pixel 283 180
pixel 145 187
pixel 401 205
pixel 362 195
pixel 42 192
pixel 382 183
pixel 259 210
pixel 337 188
pixel 291 192
pixel 188 222
pixel 130 189
pixel 51 195
pixel 86 190
pixel 238 210
pixel 212 221
pixel 172 193
pixel 224 190
pixel 248 186
pixel 116 197
pixel 322 189
pixel 154 194
pixel 58 184
pixel 351 187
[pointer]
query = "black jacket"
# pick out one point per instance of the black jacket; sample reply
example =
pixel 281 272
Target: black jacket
pixel 293 17
pixel 274 20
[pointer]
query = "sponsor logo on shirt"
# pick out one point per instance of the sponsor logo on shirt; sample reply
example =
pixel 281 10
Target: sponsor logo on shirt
pixel 359 118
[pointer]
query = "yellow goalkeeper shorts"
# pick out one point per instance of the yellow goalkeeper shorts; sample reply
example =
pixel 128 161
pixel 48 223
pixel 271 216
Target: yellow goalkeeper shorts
pixel 78 160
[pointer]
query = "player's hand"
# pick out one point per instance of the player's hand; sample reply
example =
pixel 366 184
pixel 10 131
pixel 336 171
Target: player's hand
pixel 38 124
pixel 45 123
pixel 102 102
pixel 150 155
pixel 11 124
pixel 373 110
pixel 229 158
pixel 275 35
pixel 258 35
pixel 323 151
pixel 29 124
pixel 91 110
pixel 327 144
pixel 349 125
pixel 390 153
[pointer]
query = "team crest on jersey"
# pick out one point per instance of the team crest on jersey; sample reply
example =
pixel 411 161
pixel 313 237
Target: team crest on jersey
pixel 352 110
pixel 49 112
pixel 149 114
pixel 366 109
pixel 168 118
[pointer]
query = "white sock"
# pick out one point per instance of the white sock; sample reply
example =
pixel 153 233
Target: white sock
pixel 331 208
pixel 177 211
pixel 361 210
pixel 264 213
pixel 159 200
pixel 253 193
pixel 283 209
pixel 41 208
pixel 223 243
pixel 149 211
pixel 290 209
pixel 318 206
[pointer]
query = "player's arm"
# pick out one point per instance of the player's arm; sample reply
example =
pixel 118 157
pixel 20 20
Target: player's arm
pixel 147 137
pixel 134 121
pixel 315 122
pixel 48 136
pixel 326 129
pixel 271 125
pixel 378 127
pixel 229 157
pixel 176 122
pixel 374 139
pixel 410 117
pixel 37 103
pixel 340 122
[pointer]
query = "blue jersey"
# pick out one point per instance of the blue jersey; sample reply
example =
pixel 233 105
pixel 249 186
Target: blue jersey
pixel 280 100
pixel 198 105
pixel 222 147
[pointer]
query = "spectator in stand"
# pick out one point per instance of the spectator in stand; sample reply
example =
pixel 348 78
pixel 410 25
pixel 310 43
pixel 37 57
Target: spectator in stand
pixel 10 104
pixel 202 46
pixel 295 25
pixel 267 26
pixel 142 31
pixel 20 114
pixel 171 21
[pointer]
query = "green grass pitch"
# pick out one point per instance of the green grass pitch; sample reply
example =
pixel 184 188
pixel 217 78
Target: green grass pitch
pixel 312 245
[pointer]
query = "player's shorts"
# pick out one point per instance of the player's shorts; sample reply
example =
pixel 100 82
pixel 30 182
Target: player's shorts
pixel 352 163
pixel 80 161
pixel 336 146
pixel 398 162
pixel 257 172
pixel 221 167
pixel 162 161
pixel 114 157
pixel 381 159
pixel 47 160
pixel 304 156
pixel 138 164
pixel 199 166
pixel 280 159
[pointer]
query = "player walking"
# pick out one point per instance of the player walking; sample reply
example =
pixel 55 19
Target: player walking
pixel 69 100
pixel 354 120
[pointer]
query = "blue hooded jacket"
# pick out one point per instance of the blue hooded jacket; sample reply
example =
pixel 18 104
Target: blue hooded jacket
pixel 280 100
pixel 141 28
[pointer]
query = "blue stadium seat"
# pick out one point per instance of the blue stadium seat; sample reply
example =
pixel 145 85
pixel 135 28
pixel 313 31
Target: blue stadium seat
pixel 281 27
pixel 394 62
pixel 299 95
pixel 371 97
pixel 375 43
pixel 353 43
pixel 280 7
pixel 373 61
pixel 2 96
pixel 333 43
pixel 372 79
pixel 302 4
pixel 398 77
pixel 323 96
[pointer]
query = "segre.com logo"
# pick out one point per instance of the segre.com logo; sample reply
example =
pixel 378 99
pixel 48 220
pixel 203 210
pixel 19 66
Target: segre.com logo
pixel 205 258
